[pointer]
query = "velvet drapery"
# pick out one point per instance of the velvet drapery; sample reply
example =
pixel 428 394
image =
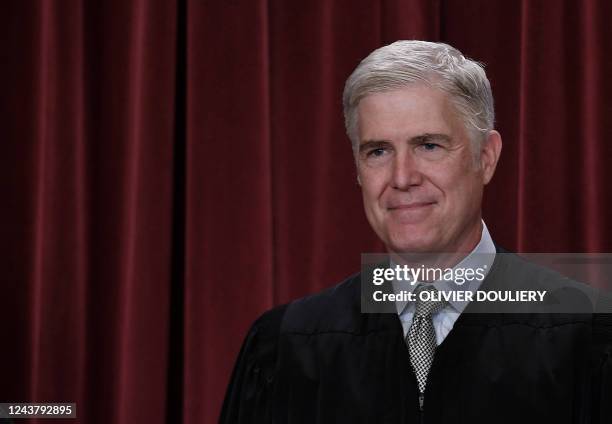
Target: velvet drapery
pixel 173 169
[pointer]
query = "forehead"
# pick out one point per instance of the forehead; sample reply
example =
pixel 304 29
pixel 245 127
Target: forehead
pixel 407 112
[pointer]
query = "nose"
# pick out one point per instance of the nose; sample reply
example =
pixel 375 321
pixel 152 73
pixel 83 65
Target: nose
pixel 406 172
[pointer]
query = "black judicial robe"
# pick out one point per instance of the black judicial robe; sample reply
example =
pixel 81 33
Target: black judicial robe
pixel 320 360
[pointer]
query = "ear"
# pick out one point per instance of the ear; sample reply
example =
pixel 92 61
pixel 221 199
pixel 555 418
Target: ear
pixel 358 180
pixel 489 155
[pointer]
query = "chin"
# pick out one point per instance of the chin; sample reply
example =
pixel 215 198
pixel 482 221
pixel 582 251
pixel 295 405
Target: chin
pixel 412 246
pixel 411 249
pixel 415 243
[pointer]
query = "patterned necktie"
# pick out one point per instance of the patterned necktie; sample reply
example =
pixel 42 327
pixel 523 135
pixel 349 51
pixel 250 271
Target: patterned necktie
pixel 421 337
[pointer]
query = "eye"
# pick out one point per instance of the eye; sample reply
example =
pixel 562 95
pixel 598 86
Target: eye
pixel 430 146
pixel 378 152
pixel 429 150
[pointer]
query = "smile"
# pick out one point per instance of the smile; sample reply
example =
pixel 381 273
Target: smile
pixel 411 213
pixel 411 206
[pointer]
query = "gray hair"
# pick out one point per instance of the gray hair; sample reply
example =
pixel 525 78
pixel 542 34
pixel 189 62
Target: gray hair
pixel 411 61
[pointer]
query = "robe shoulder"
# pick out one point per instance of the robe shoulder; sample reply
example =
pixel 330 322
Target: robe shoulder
pixel 601 368
pixel 249 393
pixel 334 310
pixel 247 399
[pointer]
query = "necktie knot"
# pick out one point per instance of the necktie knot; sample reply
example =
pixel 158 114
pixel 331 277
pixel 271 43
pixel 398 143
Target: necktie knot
pixel 426 303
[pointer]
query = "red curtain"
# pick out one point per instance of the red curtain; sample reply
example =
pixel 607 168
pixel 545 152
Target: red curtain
pixel 173 169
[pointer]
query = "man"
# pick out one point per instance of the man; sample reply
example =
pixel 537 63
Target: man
pixel 420 118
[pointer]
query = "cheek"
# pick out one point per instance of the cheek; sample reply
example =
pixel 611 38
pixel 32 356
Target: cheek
pixel 372 184
pixel 452 176
pixel 370 199
pixel 465 195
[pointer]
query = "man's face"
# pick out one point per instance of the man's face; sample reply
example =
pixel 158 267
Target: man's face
pixel 422 188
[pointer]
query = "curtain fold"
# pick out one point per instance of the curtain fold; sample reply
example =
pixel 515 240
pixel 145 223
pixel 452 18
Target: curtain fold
pixel 173 169
pixel 229 235
pixel 88 130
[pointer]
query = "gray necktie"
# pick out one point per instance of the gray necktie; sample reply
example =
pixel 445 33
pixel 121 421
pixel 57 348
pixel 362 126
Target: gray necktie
pixel 422 336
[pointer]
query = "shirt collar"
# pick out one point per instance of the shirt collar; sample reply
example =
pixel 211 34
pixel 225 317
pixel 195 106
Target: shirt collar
pixel 482 256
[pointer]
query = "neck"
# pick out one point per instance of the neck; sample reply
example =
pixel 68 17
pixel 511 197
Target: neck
pixel 447 259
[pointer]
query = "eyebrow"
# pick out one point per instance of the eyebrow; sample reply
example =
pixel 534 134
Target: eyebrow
pixel 427 137
pixel 372 144
pixel 422 138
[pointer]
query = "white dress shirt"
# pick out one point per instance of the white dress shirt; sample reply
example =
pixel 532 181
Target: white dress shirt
pixel 443 321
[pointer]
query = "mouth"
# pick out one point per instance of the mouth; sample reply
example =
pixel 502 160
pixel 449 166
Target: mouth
pixel 414 213
pixel 410 206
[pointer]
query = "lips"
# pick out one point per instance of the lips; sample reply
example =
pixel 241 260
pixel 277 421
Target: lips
pixel 413 213
pixel 408 206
